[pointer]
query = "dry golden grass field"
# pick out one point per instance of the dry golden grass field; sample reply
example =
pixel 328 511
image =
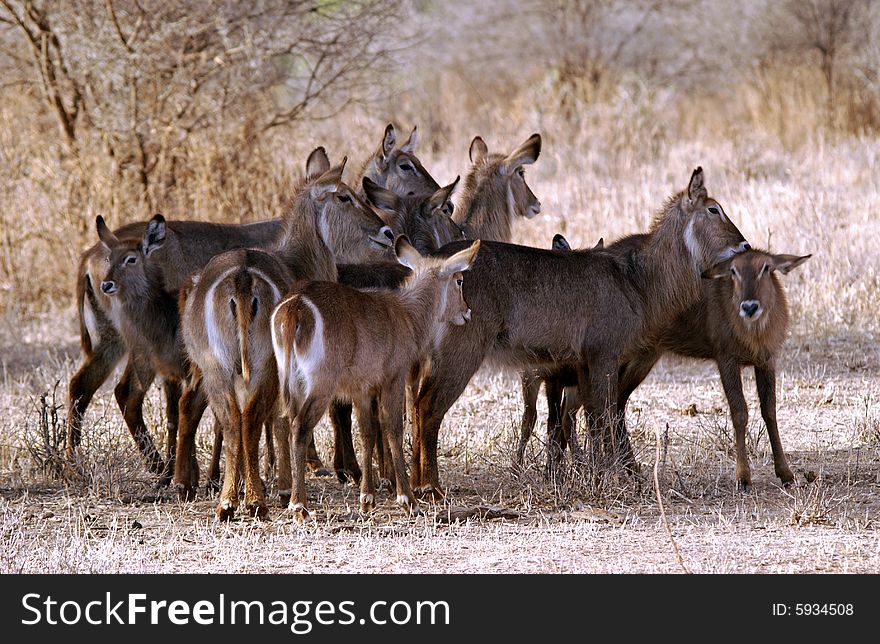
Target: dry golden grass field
pixel 797 171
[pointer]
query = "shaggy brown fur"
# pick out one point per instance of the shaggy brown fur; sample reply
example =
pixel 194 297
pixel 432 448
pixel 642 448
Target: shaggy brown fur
pixel 332 340
pixel 225 321
pixel 325 218
pixel 396 168
pixel 717 328
pixel 527 318
pixel 495 191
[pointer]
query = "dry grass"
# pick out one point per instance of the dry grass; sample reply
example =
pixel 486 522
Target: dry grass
pixel 118 522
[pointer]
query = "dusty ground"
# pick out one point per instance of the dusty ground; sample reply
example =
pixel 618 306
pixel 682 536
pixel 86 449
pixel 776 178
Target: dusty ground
pixel 828 414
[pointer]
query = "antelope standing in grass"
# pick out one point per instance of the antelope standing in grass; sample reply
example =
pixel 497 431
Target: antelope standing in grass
pixel 325 218
pixel 558 430
pixel 587 308
pixel 225 322
pixel 741 320
pixel 330 339
pixel 495 193
pixel 188 247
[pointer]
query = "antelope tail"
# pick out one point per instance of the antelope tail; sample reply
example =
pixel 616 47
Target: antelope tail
pixel 244 318
pixel 282 326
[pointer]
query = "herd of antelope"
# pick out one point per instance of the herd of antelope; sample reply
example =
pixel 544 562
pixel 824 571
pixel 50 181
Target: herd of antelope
pixel 381 293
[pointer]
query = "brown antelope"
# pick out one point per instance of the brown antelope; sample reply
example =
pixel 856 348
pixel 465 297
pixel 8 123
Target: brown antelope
pixel 425 219
pixel 495 191
pixel 744 316
pixel 524 313
pixel 330 339
pixel 531 380
pixel 741 320
pixel 188 247
pixel 184 247
pixel 325 217
pixel 396 168
pixel 225 323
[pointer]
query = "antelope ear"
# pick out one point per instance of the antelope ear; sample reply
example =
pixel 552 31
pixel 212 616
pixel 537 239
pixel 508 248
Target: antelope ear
pixel 104 233
pixel 560 242
pixel 379 196
pixel 410 146
pixel 406 253
pixel 526 154
pixel 389 140
pixel 478 149
pixel 461 261
pixel 696 190
pixel 439 198
pixel 154 237
pixel 718 271
pixel 318 163
pixel 787 263
pixel 329 181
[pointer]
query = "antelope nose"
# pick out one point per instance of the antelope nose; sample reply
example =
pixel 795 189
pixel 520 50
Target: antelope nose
pixel 749 308
pixel 108 287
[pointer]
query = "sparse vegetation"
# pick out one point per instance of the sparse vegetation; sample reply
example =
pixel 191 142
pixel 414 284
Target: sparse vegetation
pixel 787 131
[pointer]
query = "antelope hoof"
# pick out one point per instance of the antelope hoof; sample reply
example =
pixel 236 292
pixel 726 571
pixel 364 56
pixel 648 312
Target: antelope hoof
pixel 430 493
pixel 186 493
pixel 258 510
pixel 225 511
pixel 300 514
pixel 404 501
pixel 786 477
pixel 366 503
pixel 744 486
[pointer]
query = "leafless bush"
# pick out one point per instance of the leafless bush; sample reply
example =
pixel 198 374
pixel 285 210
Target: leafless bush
pixel 45 435
pixel 125 107
pixel 867 426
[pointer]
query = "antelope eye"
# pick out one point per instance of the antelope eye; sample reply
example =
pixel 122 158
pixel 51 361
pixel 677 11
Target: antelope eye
pixel 714 210
pixel 459 281
pixel 131 259
pixel 521 173
pixel 449 208
pixel 344 198
pixel 408 167
pixel 733 271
